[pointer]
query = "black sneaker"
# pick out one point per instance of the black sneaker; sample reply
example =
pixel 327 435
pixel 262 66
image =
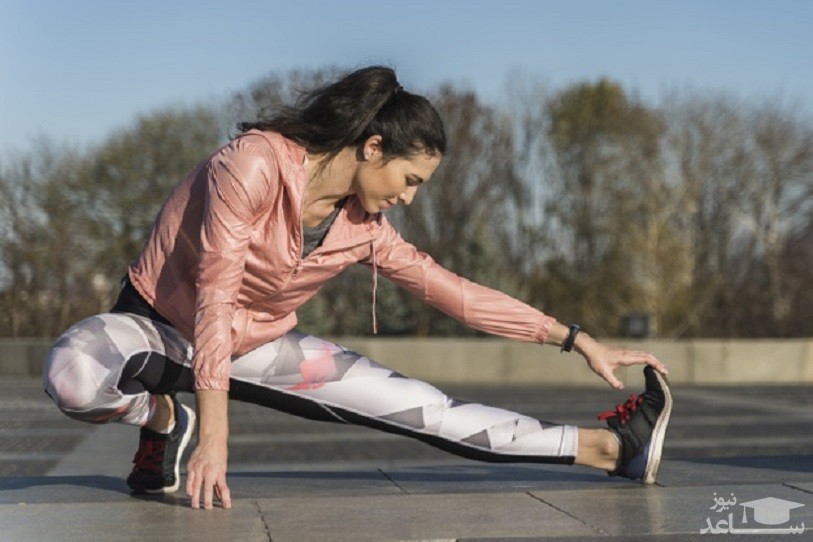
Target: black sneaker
pixel 641 424
pixel 158 459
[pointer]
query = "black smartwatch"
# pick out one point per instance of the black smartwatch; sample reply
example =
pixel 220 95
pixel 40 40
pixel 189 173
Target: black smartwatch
pixel 571 338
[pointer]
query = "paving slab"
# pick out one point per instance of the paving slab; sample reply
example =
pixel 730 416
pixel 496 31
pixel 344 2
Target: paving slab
pixel 64 489
pixel 137 520
pixel 474 478
pixel 105 489
pixel 417 517
pixel 736 470
pixel 672 510
pixel 339 484
pixel 361 506
pixel 106 449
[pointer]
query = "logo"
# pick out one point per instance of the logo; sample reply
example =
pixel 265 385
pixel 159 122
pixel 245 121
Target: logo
pixel 768 511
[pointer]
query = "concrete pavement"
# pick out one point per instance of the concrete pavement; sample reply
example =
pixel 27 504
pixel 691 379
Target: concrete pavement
pixel 465 502
pixel 299 480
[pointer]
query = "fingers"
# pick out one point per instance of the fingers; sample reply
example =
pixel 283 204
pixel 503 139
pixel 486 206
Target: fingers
pixel 208 492
pixel 193 485
pixel 655 363
pixel 604 361
pixel 627 358
pixel 204 484
pixel 223 493
pixel 614 383
pixel 635 357
pixel 190 482
pixel 214 485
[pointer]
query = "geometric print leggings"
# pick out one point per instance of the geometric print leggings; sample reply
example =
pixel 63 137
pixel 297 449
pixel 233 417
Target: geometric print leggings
pixel 106 367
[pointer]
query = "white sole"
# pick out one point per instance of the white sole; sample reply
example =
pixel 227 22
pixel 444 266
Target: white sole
pixel 653 460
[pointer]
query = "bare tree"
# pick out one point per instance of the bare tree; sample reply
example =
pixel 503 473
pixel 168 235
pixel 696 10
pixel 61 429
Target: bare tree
pixel 797 263
pixel 746 176
pixel 42 287
pixel 777 195
pixel 612 205
pixel 127 179
pixel 73 221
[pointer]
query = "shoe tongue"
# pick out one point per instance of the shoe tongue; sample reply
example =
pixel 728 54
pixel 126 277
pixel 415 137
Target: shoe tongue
pixel 614 422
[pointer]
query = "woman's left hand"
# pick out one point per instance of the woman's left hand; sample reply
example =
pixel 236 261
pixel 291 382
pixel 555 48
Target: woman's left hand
pixel 604 360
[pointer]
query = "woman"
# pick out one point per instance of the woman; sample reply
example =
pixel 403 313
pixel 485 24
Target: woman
pixel 249 236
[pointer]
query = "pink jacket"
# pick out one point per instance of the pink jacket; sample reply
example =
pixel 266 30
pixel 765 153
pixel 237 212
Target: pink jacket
pixel 224 263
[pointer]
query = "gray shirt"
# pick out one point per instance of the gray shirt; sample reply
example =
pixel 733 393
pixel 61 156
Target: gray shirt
pixel 314 236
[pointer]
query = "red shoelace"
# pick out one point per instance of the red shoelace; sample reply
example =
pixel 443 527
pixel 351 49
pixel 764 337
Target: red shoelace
pixel 150 455
pixel 623 412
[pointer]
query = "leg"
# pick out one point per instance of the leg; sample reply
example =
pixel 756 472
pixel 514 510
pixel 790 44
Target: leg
pixel 163 415
pixel 308 376
pixel 102 369
pixel 125 368
pixel 598 448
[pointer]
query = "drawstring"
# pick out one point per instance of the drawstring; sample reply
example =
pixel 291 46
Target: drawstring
pixel 375 285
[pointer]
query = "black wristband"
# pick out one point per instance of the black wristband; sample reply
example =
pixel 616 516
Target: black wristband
pixel 571 338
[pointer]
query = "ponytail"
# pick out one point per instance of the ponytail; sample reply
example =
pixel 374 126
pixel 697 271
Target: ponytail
pixel 366 102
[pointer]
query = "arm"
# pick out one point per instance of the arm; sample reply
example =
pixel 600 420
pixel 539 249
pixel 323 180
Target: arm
pixel 479 307
pixel 602 359
pixel 487 310
pixel 240 185
pixel 241 182
pixel 206 469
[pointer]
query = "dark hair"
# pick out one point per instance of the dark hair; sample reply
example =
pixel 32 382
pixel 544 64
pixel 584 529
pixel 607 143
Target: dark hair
pixel 366 102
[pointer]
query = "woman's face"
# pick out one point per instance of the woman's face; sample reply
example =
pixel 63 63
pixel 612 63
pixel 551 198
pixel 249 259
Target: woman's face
pixel 380 186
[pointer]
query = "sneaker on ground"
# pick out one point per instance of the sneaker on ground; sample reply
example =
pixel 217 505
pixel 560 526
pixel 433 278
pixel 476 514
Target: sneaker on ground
pixel 157 461
pixel 640 424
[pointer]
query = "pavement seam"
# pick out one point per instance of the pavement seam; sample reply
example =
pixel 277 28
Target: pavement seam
pixel 387 476
pixel 568 514
pixel 262 518
pixel 797 488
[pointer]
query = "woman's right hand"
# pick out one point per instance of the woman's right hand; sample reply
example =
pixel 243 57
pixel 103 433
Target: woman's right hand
pixel 206 474
pixel 605 360
pixel 206 469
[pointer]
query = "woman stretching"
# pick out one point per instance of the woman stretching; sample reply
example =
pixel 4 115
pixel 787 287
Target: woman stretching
pixel 249 236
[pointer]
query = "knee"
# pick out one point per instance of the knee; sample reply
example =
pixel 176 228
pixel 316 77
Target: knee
pixel 69 380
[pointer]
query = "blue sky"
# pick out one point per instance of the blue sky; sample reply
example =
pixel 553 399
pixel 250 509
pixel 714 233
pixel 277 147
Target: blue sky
pixel 74 70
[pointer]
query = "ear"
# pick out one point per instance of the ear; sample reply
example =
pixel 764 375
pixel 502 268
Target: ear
pixel 371 147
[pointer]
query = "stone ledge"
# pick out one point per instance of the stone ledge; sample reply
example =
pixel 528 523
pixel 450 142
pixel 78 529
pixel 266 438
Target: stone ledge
pixel 498 361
